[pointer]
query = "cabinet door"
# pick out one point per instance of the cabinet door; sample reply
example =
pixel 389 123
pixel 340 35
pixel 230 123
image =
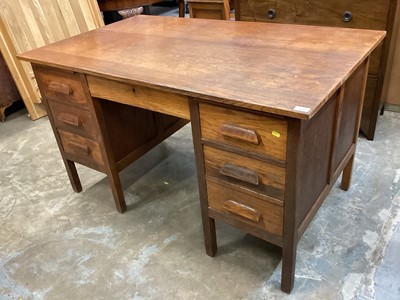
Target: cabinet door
pixel 26 25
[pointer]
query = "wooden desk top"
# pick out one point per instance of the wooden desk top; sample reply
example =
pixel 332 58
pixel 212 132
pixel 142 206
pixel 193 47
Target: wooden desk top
pixel 267 67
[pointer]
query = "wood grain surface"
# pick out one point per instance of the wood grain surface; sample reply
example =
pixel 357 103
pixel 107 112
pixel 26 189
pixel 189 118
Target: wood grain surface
pixel 248 208
pixel 365 14
pixel 278 68
pixel 271 177
pixel 271 132
pixel 144 97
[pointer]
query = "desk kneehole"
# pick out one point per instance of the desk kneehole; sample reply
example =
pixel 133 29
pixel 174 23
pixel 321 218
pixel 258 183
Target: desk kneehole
pixel 140 96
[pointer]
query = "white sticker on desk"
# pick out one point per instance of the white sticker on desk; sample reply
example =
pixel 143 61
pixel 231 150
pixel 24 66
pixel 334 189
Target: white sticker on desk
pixel 301 108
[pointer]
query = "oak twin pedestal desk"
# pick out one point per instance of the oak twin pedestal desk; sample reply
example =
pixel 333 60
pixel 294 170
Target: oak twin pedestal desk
pixel 275 112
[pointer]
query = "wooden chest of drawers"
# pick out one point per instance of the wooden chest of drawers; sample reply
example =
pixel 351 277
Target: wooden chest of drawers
pixel 367 14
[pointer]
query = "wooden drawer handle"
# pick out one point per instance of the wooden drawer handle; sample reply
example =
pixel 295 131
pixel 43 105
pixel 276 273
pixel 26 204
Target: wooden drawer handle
pixel 240 133
pixel 82 149
pixel 61 88
pixel 240 173
pixel 70 119
pixel 242 210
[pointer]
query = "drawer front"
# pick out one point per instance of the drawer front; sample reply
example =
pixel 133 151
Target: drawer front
pixel 247 173
pixel 245 208
pixel 367 14
pixel 172 104
pixel 74 119
pixel 82 150
pixel 249 132
pixel 61 86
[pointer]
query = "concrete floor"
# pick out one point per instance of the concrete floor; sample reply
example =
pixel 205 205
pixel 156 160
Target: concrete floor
pixel 56 244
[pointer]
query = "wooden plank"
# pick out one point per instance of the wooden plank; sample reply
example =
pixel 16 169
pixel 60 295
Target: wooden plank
pixel 32 17
pixel 78 15
pixel 66 10
pixel 50 21
pixel 88 20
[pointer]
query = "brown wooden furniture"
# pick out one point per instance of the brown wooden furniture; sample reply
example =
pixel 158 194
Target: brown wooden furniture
pixel 209 9
pixel 8 90
pixel 108 5
pixel 366 14
pixel 392 96
pixel 273 125
pixel 26 25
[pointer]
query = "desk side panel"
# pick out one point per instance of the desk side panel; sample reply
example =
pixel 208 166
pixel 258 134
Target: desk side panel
pixel 328 146
pixel 349 117
pixel 317 138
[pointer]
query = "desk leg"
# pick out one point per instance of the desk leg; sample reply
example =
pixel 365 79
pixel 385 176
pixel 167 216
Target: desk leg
pixel 108 157
pixel 116 188
pixel 182 8
pixel 289 246
pixel 292 194
pixel 210 238
pixel 73 175
pixel 346 176
pixel 288 265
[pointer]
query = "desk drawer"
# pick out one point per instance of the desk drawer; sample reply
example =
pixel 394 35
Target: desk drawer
pixel 245 208
pixel 366 14
pixel 61 86
pixel 256 133
pixel 74 119
pixel 248 173
pixel 173 104
pixel 82 150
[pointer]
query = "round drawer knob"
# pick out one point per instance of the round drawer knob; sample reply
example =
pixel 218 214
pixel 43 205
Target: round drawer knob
pixel 347 16
pixel 271 13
